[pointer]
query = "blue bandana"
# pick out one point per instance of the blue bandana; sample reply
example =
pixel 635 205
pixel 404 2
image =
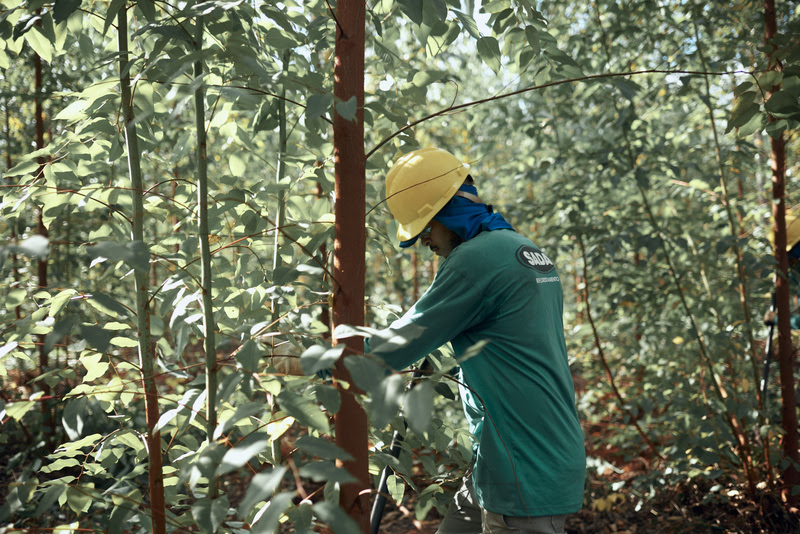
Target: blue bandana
pixel 466 218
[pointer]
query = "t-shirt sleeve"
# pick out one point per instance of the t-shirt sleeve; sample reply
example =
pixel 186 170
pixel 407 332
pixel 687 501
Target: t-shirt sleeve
pixel 453 303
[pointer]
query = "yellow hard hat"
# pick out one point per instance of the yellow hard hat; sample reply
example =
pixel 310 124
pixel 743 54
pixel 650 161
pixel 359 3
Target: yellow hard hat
pixel 419 185
pixel 792 230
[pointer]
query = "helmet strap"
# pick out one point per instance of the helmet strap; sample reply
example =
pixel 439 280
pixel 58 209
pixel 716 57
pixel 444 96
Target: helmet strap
pixel 469 196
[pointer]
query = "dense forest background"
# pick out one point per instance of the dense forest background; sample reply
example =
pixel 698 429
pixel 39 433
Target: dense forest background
pixel 170 268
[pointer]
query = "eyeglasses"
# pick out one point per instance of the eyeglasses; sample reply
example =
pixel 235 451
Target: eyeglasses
pixel 426 232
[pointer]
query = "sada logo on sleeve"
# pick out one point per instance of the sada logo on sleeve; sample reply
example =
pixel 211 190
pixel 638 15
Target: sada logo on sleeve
pixel 534 259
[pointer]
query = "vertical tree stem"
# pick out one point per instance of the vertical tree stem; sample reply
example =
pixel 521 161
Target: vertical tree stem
pixel 41 229
pixel 146 352
pixel 205 249
pixel 791 475
pixel 349 245
pixel 280 217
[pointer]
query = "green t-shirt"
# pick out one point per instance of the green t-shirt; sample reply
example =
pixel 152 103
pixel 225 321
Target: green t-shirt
pixel 519 399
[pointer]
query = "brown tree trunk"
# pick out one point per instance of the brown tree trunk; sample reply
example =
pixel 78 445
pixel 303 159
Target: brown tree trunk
pixel 791 476
pixel 41 229
pixel 350 422
pixel 155 476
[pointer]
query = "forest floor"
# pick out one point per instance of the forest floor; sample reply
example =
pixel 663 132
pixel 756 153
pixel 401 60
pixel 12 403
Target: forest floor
pixel 676 512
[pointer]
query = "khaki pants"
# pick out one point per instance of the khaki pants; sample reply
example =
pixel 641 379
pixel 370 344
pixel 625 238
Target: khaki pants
pixel 465 516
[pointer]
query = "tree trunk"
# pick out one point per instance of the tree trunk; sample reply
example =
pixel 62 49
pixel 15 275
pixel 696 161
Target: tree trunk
pixel 350 422
pixel 41 229
pixel 146 348
pixel 791 476
pixel 206 276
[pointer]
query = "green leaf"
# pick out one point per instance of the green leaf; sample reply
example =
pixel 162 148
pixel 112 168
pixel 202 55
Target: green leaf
pixel 743 110
pixel 318 105
pixel 776 128
pixel 280 40
pixel 60 330
pixel 427 77
pixel 627 87
pixel 148 9
pixel 107 305
pixel 489 50
pixel 124 342
pixel 243 452
pixel 320 357
pixel 186 403
pixel 495 6
pixel 111 14
pixel 418 406
pixel 268 518
pixel 79 499
pixel 40 44
pixel 95 367
pixel 347 110
pixel 14 298
pixel 49 498
pixel 413 9
pixel 249 356
pixel 64 8
pixel 333 515
pixel 322 448
pixel 58 302
pixel 97 337
pixel 783 105
pixel 261 486
pixel 468 23
pixel 385 400
pixel 209 514
pixel 304 410
pixel 326 471
pixel 73 417
pixel 365 372
pixel 134 253
pixel 329 397
pixel 396 488
pixel 532 35
pixel 242 412
pixel 433 11
pixel 16 410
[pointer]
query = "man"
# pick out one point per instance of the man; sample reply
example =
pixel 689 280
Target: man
pixel 497 287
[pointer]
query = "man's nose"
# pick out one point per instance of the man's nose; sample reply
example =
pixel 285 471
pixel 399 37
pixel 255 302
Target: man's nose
pixel 426 240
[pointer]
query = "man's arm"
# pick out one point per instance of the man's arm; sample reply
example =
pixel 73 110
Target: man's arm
pixel 451 305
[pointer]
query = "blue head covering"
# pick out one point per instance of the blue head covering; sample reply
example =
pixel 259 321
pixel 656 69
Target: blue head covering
pixel 466 218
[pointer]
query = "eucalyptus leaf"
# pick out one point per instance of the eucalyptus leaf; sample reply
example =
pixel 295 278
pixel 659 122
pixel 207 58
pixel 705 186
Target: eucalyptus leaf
pixel 319 357
pixel 304 410
pixel 418 406
pixel 134 253
pixel 262 486
pixel 268 518
pixel 347 110
pixel 243 452
pixel 322 448
pixel 337 518
pixel 209 514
